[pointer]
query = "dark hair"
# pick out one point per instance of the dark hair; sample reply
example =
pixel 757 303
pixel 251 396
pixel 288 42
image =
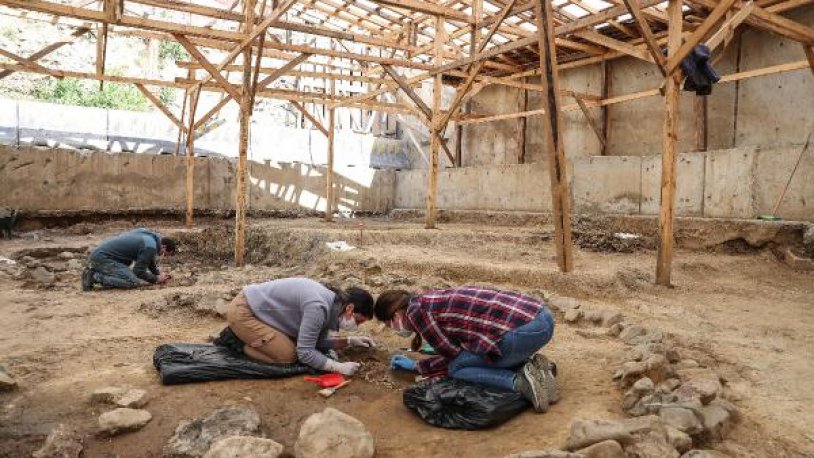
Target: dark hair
pixel 390 302
pixel 361 299
pixel 169 245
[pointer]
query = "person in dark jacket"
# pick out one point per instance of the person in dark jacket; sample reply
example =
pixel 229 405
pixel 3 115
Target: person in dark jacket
pixel 109 263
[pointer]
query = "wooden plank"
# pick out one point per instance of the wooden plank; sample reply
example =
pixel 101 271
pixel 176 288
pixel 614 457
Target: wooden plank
pixel 668 156
pixel 28 64
pixel 183 116
pixel 405 86
pixel 435 140
pixel 607 90
pixel 329 170
pixel 426 8
pixel 213 71
pixel 728 28
pixel 51 48
pixel 195 94
pixel 552 135
pixel 700 111
pixel 698 35
pixel 101 52
pixel 809 50
pixel 159 104
pixel 615 45
pixel 311 118
pixel 647 34
pixel 591 121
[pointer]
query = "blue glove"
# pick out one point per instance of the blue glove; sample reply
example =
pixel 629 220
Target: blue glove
pixel 402 362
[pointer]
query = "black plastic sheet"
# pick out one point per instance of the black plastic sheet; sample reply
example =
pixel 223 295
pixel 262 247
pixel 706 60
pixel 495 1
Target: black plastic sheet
pixel 455 404
pixel 190 363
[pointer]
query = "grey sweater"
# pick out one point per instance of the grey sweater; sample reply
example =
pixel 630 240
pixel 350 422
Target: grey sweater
pixel 138 247
pixel 300 308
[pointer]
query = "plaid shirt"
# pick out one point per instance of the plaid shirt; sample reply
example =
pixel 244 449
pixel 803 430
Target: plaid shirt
pixel 467 318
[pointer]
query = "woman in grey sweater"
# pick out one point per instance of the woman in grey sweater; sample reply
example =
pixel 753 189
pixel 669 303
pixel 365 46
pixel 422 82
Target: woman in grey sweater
pixel 286 320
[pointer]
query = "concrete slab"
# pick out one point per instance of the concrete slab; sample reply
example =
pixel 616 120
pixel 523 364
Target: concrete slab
pixel 772 172
pixel 728 184
pixel 607 184
pixel 80 127
pixel 689 184
pixel 137 132
pixel 9 120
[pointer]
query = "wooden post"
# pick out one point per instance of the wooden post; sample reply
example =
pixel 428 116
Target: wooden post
pixel 607 89
pixel 101 53
pixel 668 155
pixel 523 121
pixel 329 170
pixel 435 140
pixel 195 93
pixel 700 108
pixel 243 145
pixel 552 134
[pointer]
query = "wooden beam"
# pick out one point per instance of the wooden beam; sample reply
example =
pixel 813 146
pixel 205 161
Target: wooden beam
pixel 435 138
pixel 728 28
pixel 607 90
pixel 698 35
pixel 329 169
pixel 615 45
pixel 427 7
pixel 311 118
pixel 809 50
pixel 159 104
pixel 51 48
pixel 213 71
pixel 647 34
pixel 26 63
pixel 405 86
pixel 591 121
pixel 195 94
pixel 552 135
pixel 700 111
pixel 101 52
pixel 668 156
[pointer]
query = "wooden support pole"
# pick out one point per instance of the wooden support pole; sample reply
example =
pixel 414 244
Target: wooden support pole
pixel 591 121
pixel 521 153
pixel 552 134
pixel 159 104
pixel 182 130
pixel 245 98
pixel 700 109
pixel 194 95
pixel 329 169
pixel 607 90
pixel 435 134
pixel 101 52
pixel 668 154
pixel 809 50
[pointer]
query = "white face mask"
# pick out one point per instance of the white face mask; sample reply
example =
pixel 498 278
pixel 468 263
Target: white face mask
pixel 347 324
pixel 399 328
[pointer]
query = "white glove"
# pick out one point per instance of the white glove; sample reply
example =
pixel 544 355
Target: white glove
pixel 361 341
pixel 348 368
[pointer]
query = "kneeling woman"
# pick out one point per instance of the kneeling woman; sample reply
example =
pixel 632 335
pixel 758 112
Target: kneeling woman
pixel 481 335
pixel 289 319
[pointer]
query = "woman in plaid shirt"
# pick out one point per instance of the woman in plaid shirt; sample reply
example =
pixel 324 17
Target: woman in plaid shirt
pixel 482 335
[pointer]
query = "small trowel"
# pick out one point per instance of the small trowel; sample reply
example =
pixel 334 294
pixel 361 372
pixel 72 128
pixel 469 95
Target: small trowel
pixel 328 392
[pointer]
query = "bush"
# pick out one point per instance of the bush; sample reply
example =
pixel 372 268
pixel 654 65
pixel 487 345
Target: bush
pixel 166 95
pixel 173 50
pixel 71 91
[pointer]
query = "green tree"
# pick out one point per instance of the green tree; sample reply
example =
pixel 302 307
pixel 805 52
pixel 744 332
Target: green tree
pixel 71 91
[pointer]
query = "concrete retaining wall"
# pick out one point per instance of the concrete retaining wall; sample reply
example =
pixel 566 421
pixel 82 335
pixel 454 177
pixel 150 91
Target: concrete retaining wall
pixel 36 179
pixel 736 183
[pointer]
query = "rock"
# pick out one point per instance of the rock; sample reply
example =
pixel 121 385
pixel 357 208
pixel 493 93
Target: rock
pixel 616 329
pixel 652 444
pixel 106 395
pixel 584 433
pixel 734 412
pixel 704 454
pixel 808 238
pixel 631 332
pixel 681 419
pixel 133 398
pixel 717 421
pixel 672 355
pixel 680 441
pixel 66 255
pixel 63 442
pixel 643 386
pixel 29 261
pixel 594 316
pixel 604 449
pixel 610 318
pixel 563 303
pixel 221 306
pixel 335 434
pixel 123 419
pixel 244 447
pixel 573 315
pixel 75 264
pixel 687 364
pixel 214 334
pixel 42 276
pixel 122 397
pixel 6 382
pixel 705 389
pixel 591 333
pixel 545 454
pixel 193 438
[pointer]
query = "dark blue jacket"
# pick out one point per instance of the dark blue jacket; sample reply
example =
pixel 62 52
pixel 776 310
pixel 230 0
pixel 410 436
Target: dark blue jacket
pixel 138 246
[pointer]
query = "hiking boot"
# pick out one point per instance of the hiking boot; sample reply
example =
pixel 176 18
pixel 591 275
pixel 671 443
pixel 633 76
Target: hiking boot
pixel 87 279
pixel 549 374
pixel 529 382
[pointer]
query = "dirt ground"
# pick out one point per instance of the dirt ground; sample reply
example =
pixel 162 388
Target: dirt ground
pixel 743 313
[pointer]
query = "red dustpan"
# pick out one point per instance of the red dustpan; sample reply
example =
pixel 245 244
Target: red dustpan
pixel 327 380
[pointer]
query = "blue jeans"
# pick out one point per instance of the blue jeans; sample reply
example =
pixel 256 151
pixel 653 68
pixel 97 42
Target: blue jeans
pixel 113 274
pixel 516 347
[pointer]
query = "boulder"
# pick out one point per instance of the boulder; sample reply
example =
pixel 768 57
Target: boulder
pixel 335 434
pixel 604 449
pixel 42 276
pixel 717 421
pixel 584 433
pixel 669 385
pixel 7 383
pixel 652 444
pixel 573 315
pixel 706 389
pixel 643 386
pixel 123 419
pixel 63 442
pixel 132 398
pixel 681 419
pixel 119 396
pixel 193 438
pixel 680 441
pixel 244 447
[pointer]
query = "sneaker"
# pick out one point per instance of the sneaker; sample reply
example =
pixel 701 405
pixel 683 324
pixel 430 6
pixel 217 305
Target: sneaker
pixel 529 382
pixel 549 373
pixel 87 279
